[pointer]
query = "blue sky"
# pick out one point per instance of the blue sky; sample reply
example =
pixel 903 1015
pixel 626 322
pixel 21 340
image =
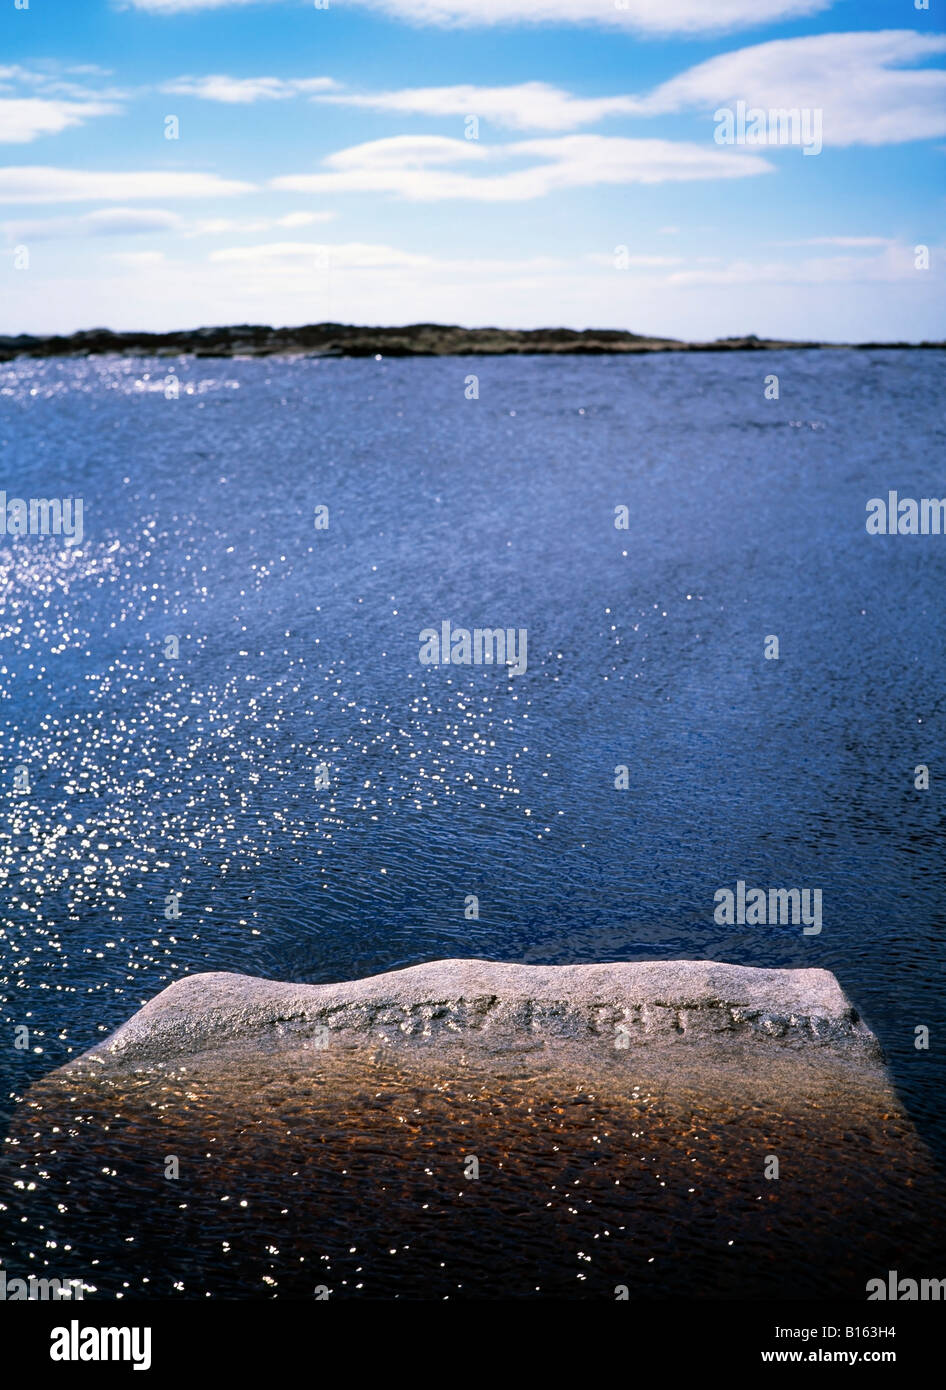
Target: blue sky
pixel 324 165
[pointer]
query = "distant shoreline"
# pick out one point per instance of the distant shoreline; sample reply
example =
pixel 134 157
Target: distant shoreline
pixel 412 340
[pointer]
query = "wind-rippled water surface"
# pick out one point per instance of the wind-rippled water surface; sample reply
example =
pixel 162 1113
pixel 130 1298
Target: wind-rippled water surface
pixel 204 776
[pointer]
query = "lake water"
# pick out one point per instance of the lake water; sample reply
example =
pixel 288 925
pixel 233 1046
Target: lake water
pixel 299 663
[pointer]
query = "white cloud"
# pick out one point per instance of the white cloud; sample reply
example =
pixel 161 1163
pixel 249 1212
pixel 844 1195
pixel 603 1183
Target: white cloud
pixel 846 241
pixel 817 298
pixel 893 264
pixel 26 118
pixel 102 223
pixel 138 260
pixel 291 257
pixel 867 85
pixel 44 100
pixel 302 219
pixel 119 222
pixel 860 81
pixel 294 255
pixel 54 79
pixel 528 106
pixel 417 168
pixel 41 184
pixel 650 16
pixel 186 6
pixel 370 282
pixel 293 261
pixel 607 260
pixel 222 226
pixel 245 90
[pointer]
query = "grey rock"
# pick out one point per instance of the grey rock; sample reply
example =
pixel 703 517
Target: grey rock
pixel 685 1009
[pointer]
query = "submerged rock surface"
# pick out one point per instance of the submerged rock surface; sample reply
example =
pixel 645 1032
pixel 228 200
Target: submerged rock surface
pixel 472 1129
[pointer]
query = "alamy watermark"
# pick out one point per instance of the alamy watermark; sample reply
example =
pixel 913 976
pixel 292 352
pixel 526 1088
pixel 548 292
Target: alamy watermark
pixel 479 646
pixel 898 1290
pixel 42 516
pixel 77 1343
pixel 36 1290
pixel 906 516
pixel 754 125
pixel 759 907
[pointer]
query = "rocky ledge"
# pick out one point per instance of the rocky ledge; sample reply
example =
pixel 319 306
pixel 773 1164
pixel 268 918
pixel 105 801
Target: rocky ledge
pixel 475 1129
pixel 696 1010
pixel 351 340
